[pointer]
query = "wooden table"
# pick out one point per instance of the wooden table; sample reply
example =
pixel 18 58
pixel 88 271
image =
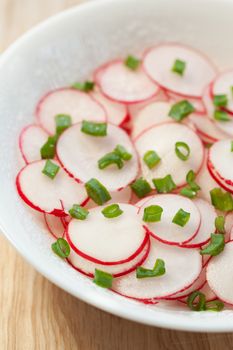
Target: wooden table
pixel 35 314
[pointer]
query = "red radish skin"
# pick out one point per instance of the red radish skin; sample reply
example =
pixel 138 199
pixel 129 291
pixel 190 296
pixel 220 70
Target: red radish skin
pixel 222 86
pixel 55 225
pixel 31 139
pixel 192 83
pixel 229 226
pixel 125 233
pixel 121 84
pixel 79 153
pixel 79 105
pixel 205 181
pixel 218 179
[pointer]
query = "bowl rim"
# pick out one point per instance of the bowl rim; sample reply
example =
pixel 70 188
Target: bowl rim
pixel 161 319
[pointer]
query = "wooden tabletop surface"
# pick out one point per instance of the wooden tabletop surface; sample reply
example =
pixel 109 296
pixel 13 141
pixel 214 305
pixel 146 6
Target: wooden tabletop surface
pixel 35 314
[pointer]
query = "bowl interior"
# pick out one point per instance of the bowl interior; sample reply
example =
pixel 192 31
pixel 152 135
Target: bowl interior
pixel 65 49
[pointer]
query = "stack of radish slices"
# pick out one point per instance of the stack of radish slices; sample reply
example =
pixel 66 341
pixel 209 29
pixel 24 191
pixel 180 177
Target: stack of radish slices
pixel 132 174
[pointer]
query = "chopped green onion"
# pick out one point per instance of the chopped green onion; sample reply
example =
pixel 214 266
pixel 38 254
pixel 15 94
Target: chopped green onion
pixel 158 270
pixel 61 248
pixel 179 67
pixel 196 306
pixel 141 187
pixel 208 145
pixel 152 213
pixel 214 305
pixel 122 152
pixel 221 200
pixel 216 245
pixel 220 224
pixel 181 110
pixel 94 129
pixel 151 159
pixel 220 100
pixel 86 86
pixel 132 62
pixel 109 159
pixel 103 279
pixel 188 192
pixel 181 217
pixel 78 212
pixel 190 177
pixel 186 150
pixel 231 146
pixel 50 169
pixel 97 192
pixel 63 121
pixel 221 116
pixel 112 211
pixel 165 184
pixel 48 150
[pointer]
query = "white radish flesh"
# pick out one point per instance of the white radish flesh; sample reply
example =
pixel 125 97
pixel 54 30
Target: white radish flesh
pixel 122 84
pixel 108 241
pixel 54 196
pixel 182 265
pixel 31 139
pixel 158 63
pixel 79 154
pixel 220 274
pixel 122 196
pixel 165 230
pixel 162 139
pixel 79 105
pixel 229 226
pixel 55 225
pixel 207 128
pixel 221 158
pixel 205 181
pixel 222 85
pixel 221 182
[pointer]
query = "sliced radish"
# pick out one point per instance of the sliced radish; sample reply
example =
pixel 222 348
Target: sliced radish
pixel 79 105
pixel 226 127
pixel 122 196
pixel 152 114
pixel 222 85
pixel 162 139
pixel 221 159
pixel 41 193
pixel 182 265
pixel 207 226
pixel 55 225
pixel 209 294
pixel 222 183
pixel 108 241
pixel 229 226
pixel 116 112
pixel 219 274
pixel 165 230
pixel 122 84
pixel 79 154
pixel 158 63
pixel 205 181
pixel 208 102
pixel 88 267
pixel 197 103
pixel 31 139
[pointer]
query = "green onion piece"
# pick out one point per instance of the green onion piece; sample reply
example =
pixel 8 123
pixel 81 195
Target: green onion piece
pixel 94 129
pixel 190 177
pixel 196 306
pixel 141 187
pixel 220 100
pixel 214 305
pixel 186 150
pixel 181 110
pixel 86 86
pixel 151 159
pixel 179 67
pixel 48 150
pixel 158 270
pixel 216 245
pixel 103 279
pixel 221 200
pixel 220 224
pixel 61 248
pixel 50 169
pixel 132 62
pixel 152 213
pixel 221 116
pixel 109 159
pixel 78 212
pixel 231 146
pixel 208 145
pixel 97 192
pixel 188 192
pixel 165 184
pixel 181 217
pixel 122 152
pixel 63 121
pixel 112 211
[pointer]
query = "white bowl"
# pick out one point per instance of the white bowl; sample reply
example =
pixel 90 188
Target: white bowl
pixel 62 50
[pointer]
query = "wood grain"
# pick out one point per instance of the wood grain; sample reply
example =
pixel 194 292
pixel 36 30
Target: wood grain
pixel 35 314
